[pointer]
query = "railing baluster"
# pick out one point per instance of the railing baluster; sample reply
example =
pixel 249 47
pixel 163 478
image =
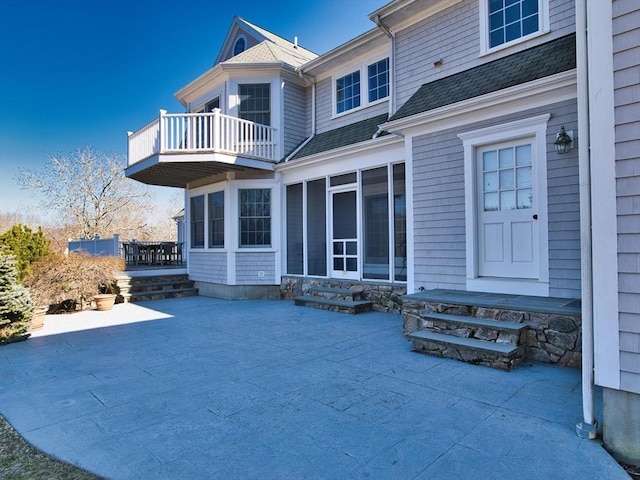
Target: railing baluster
pixel 198 132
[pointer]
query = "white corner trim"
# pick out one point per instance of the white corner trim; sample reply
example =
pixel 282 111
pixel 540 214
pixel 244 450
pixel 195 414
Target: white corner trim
pixel 604 228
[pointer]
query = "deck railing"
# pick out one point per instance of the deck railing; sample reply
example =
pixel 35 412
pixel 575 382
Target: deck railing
pixel 202 133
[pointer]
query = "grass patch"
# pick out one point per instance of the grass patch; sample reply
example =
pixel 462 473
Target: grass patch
pixel 20 461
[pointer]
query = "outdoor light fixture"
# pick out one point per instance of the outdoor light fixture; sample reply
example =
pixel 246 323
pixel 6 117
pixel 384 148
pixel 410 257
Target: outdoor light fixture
pixel 563 142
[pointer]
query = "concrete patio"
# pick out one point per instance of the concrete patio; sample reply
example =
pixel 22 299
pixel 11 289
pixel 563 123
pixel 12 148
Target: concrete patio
pixel 200 388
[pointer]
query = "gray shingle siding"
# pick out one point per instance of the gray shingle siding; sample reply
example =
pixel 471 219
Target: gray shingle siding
pixel 250 264
pixel 626 61
pixel 295 116
pixel 208 266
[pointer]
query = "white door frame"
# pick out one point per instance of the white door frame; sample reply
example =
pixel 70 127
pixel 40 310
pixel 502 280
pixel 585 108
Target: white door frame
pixel 344 274
pixel 535 127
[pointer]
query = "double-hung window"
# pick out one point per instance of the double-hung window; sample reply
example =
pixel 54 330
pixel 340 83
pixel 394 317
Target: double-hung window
pixel 507 21
pixel 216 219
pixel 348 92
pixel 255 102
pixel 255 217
pixel 378 80
pixel 197 221
pixel 366 85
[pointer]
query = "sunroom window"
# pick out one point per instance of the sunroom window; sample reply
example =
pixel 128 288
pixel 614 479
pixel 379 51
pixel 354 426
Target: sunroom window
pixel 255 217
pixel 197 221
pixel 216 219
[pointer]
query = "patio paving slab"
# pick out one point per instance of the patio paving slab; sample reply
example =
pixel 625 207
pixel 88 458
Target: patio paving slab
pixel 202 388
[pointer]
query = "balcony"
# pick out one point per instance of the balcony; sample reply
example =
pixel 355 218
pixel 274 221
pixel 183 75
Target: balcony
pixel 176 149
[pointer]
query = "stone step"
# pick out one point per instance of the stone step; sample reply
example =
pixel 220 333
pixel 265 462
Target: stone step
pixel 487 323
pixel 334 304
pixel 333 292
pixel 160 295
pixel 470 350
pixel 161 286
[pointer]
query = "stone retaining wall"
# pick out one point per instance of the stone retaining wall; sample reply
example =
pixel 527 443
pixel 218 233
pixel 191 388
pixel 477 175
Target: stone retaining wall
pixel 550 338
pixel 385 297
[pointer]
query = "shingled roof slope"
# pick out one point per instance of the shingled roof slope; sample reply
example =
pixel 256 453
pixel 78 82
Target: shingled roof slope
pixel 343 136
pixel 532 64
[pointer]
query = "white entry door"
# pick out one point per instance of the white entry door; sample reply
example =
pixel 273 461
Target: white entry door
pixel 344 235
pixel 508 225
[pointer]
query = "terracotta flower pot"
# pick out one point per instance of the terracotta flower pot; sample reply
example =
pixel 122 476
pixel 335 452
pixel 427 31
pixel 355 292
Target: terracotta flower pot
pixel 37 321
pixel 104 301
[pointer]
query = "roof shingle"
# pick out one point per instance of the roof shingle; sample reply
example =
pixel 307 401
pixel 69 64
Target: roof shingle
pixel 532 64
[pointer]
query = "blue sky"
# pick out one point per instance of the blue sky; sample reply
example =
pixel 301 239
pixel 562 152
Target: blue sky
pixel 83 72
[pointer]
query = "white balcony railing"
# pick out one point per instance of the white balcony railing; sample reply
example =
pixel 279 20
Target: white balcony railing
pixel 202 133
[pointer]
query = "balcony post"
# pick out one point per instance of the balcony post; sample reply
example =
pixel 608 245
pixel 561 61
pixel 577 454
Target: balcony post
pixel 162 133
pixel 217 132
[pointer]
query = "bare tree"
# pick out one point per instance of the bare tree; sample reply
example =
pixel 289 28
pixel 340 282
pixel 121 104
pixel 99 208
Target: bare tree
pixel 90 193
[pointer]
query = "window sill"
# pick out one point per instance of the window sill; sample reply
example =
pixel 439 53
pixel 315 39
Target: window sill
pixel 512 43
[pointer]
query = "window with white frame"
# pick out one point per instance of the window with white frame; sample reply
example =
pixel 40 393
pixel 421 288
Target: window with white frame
pixel 216 219
pixel 348 92
pixel 255 102
pixel 240 45
pixel 370 78
pixel 197 221
pixel 507 21
pixel 378 80
pixel 255 217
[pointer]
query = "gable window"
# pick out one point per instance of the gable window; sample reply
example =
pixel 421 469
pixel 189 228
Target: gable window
pixel 255 217
pixel 255 102
pixel 378 80
pixel 216 220
pixel 197 221
pixel 348 92
pixel 240 46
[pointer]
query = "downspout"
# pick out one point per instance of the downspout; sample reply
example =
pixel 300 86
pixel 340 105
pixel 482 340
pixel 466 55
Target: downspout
pixel 588 427
pixel 392 62
pixel 313 116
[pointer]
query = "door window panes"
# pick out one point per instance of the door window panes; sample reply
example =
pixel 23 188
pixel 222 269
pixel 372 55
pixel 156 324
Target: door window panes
pixel 507 178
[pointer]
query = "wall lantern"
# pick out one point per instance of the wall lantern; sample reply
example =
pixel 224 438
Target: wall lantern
pixel 564 142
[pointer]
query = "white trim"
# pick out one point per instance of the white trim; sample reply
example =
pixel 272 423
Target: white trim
pixel 513 286
pixel 408 179
pixel 603 195
pixel 543 28
pixel 530 127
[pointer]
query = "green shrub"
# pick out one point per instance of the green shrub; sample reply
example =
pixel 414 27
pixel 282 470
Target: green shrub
pixel 67 281
pixel 25 245
pixel 16 307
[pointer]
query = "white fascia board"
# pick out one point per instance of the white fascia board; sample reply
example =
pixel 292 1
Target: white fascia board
pixel 552 89
pixel 200 84
pixel 338 153
pixel 336 56
pixel 386 12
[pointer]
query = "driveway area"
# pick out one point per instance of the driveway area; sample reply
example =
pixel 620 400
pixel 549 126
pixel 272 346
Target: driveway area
pixel 201 388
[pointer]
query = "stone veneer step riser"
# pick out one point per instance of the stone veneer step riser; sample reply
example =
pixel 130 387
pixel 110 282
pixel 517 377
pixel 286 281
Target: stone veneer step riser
pixel 468 355
pixel 470 339
pixel 161 287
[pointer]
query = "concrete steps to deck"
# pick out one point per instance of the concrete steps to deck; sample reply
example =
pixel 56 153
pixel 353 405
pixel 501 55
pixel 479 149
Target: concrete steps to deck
pixel 481 341
pixel 158 287
pixel 343 300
